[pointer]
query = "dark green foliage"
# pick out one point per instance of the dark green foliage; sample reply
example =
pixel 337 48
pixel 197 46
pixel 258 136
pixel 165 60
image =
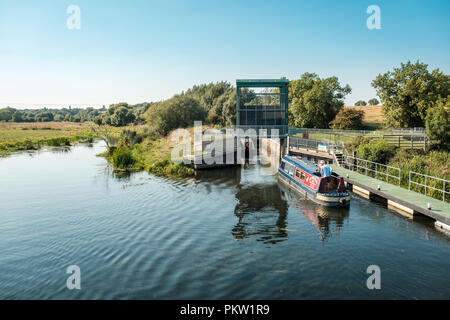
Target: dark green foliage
pixel 167 168
pixel 348 119
pixel 356 142
pixel 437 125
pixel 432 163
pixel 6 114
pixel 178 112
pixel 117 115
pixel 376 150
pixel 17 116
pixel 122 158
pixel 314 101
pixel 130 137
pixel 373 102
pixel 45 115
pixel 216 99
pixel 213 118
pixel 57 142
pixel 360 103
pixel 409 91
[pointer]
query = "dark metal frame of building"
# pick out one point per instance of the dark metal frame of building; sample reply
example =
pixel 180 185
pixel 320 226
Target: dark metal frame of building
pixel 261 116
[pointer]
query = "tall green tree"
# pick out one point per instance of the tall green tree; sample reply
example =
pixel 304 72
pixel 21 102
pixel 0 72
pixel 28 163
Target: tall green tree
pixel 373 102
pixel 178 112
pixel 17 116
pixel 6 114
pixel 408 92
pixel 437 125
pixel 315 101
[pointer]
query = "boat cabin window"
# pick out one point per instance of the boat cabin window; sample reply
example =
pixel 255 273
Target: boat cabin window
pixel 302 176
pixel 297 173
pixel 283 165
pixel 291 170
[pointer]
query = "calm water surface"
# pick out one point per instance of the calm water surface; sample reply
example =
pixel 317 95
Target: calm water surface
pixel 226 234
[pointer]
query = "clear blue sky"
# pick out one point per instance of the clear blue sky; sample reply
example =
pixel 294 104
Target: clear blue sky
pixel 137 51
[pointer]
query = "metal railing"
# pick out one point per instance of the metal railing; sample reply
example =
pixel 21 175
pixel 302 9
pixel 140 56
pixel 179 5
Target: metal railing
pixel 372 169
pixel 300 143
pixel 426 179
pixel 266 130
pixel 402 131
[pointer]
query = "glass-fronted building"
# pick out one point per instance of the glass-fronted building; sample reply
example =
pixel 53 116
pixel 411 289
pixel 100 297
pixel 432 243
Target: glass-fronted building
pixel 262 104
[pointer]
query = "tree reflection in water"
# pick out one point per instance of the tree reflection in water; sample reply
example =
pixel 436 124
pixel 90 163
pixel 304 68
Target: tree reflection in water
pixel 261 214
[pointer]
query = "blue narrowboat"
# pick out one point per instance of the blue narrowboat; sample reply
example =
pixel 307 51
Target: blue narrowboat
pixel 303 177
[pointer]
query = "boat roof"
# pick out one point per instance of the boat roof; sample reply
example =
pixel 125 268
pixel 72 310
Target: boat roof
pixel 303 163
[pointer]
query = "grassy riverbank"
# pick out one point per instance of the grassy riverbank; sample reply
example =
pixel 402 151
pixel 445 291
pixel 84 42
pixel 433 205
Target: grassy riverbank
pixel 33 136
pixel 152 154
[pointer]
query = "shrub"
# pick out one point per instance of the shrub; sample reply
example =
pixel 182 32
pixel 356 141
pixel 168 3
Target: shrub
pixel 57 142
pixel 213 118
pixel 360 103
pixel 356 142
pixel 377 151
pixel 122 158
pixel 348 119
pixel 373 102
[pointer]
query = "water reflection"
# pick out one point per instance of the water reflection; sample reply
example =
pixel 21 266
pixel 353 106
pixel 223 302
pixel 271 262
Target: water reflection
pixel 262 205
pixel 328 221
pixel 227 176
pixel 261 214
pixel 60 149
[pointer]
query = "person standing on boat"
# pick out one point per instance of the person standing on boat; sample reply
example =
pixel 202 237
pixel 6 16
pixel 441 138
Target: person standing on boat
pixel 324 169
pixel 325 172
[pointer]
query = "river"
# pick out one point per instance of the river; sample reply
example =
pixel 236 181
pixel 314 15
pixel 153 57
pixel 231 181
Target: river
pixel 225 234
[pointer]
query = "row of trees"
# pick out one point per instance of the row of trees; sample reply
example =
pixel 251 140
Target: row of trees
pixel 371 102
pixel 45 115
pixel 122 114
pixel 116 115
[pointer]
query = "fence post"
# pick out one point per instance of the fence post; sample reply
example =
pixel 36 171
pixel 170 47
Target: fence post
pixel 426 185
pixel 443 192
pixel 409 178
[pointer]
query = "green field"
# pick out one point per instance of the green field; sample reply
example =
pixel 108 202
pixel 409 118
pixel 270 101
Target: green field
pixel 32 136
